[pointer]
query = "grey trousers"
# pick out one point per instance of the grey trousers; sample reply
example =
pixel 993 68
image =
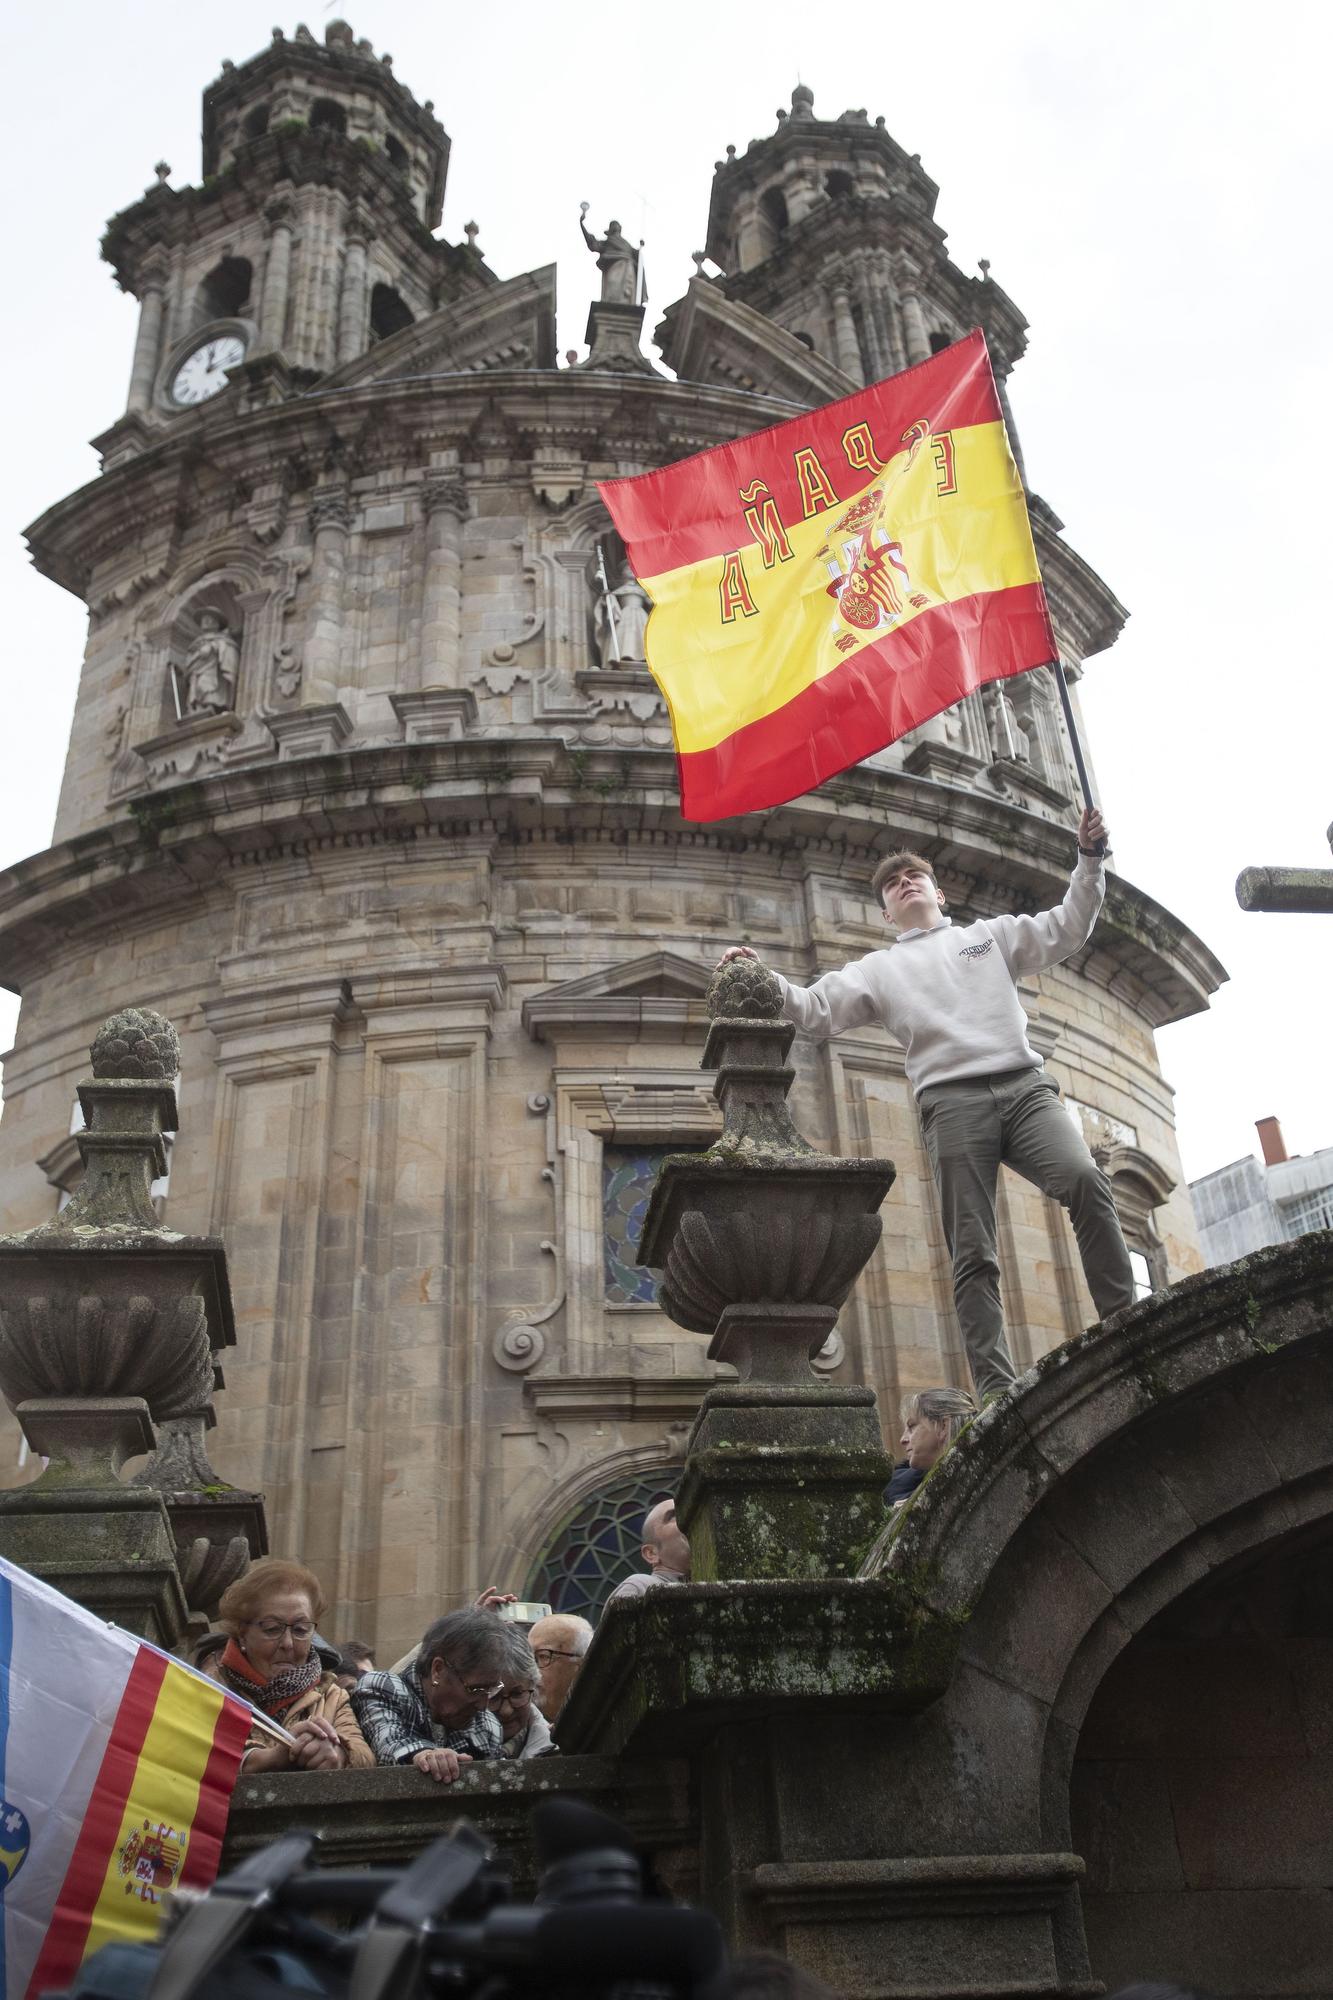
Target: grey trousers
pixel 1014 1118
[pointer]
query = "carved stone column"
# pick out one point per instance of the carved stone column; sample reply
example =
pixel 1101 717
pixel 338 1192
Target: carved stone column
pixel 352 304
pixel 278 271
pixel 878 353
pixel 914 327
pixel 330 520
pixel 444 499
pixel 148 341
pixel 846 347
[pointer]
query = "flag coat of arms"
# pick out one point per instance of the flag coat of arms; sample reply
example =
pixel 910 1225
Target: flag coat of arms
pixel 116 1771
pixel 825 586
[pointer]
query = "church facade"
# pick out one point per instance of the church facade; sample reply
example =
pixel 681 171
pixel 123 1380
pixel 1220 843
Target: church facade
pixel 370 791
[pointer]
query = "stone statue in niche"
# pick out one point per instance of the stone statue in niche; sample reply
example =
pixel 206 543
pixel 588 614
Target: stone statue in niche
pixel 617 260
pixel 1008 737
pixel 621 619
pixel 208 671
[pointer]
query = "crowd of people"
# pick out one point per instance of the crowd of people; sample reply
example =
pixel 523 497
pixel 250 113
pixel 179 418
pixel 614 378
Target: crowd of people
pixel 480 1685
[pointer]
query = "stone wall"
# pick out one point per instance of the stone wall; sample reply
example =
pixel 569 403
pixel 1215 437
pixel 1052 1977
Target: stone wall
pixel 401 1062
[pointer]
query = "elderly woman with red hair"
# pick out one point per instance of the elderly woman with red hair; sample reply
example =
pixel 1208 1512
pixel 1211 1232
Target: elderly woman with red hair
pixel 269 1615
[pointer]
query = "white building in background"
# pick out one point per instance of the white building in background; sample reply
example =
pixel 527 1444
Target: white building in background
pixel 1247 1205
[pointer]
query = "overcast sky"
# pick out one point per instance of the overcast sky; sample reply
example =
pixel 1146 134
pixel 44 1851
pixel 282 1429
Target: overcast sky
pixel 1151 182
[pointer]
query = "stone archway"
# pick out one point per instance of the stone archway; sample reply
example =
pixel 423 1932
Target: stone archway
pixel 1149 1467
pixel 1202 1784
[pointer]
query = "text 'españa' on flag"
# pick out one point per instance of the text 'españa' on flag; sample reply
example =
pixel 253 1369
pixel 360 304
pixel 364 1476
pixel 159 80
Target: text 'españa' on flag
pixel 825 586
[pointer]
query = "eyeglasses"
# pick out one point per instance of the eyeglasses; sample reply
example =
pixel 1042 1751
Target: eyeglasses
pixel 544 1655
pixel 277 1628
pixel 512 1698
pixel 483 1692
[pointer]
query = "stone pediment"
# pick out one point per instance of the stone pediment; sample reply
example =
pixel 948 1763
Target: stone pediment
pixel 707 337
pixel 658 991
pixel 510 325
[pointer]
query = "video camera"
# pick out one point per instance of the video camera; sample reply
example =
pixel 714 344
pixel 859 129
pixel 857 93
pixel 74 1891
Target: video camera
pixel 445 1926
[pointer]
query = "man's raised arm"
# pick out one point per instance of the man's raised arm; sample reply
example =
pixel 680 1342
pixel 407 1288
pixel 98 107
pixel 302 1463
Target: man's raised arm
pixel 1031 943
pixel 838 1001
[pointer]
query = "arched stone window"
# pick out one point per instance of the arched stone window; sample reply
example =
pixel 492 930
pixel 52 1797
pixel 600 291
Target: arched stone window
pixel 597 1546
pixel 397 152
pixel 773 208
pixel 939 341
pixel 255 122
pixel 225 292
pixel 1140 1186
pixel 837 183
pixel 327 116
pixel 389 313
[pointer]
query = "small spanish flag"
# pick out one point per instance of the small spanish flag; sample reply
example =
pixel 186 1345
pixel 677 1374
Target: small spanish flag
pixel 116 1771
pixel 823 587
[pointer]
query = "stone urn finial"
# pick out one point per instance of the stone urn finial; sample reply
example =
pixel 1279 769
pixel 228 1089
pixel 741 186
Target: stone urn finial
pixel 744 990
pixel 136 1044
pixel 759 1240
pixel 109 1324
pixel 102 1301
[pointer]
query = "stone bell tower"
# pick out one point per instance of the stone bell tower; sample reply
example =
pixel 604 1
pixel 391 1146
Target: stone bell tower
pixel 308 239
pixel 828 227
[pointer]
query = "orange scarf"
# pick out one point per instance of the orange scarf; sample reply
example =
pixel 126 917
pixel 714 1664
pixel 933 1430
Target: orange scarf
pixel 275 1695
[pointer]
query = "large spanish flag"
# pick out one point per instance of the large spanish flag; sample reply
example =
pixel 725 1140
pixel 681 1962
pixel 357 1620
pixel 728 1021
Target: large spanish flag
pixel 116 1771
pixel 823 587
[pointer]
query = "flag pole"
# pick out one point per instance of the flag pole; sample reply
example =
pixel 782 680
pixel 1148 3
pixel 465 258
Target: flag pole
pixel 1079 764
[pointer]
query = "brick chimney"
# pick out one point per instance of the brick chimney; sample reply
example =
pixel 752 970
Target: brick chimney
pixel 1270 1138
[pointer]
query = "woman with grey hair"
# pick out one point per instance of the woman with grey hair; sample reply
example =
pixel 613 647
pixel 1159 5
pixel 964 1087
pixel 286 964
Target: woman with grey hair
pixel 435 1713
pixel 932 1419
pixel 525 1729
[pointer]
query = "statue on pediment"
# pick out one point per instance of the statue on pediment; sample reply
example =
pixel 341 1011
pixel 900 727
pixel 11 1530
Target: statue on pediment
pixel 617 260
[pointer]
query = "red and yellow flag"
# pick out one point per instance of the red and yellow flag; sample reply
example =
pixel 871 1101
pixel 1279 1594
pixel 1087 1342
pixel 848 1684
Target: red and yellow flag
pixel 825 586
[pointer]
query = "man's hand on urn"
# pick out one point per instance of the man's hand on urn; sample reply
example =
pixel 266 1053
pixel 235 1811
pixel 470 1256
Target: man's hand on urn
pixel 736 951
pixel 1093 837
pixel 442 1765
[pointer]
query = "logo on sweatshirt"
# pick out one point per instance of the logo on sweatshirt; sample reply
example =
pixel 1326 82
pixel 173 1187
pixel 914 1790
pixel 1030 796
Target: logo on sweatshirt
pixel 976 950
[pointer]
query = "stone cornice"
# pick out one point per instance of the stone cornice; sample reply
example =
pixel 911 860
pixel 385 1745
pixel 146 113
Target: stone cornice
pixel 180 842
pixel 377 423
pixel 303 158
pixel 1080 598
pixel 798 136
pixel 708 334
pixel 337 66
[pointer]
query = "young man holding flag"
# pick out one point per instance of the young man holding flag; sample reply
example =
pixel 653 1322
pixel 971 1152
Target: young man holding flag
pixel 819 590
pixel 949 994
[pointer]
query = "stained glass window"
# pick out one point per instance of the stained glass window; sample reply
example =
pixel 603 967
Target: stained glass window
pixel 628 1173
pixel 596 1548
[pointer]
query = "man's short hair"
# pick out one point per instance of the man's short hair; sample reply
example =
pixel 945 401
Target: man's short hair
pixel 467 1641
pixel 895 864
pixel 953 1407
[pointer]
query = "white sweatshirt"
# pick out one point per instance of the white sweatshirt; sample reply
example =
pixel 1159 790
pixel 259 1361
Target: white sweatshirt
pixel 949 994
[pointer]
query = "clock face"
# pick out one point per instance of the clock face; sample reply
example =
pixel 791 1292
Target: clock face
pixel 203 373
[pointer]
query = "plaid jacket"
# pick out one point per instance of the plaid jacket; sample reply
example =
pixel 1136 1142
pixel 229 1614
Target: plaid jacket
pixel 396 1722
